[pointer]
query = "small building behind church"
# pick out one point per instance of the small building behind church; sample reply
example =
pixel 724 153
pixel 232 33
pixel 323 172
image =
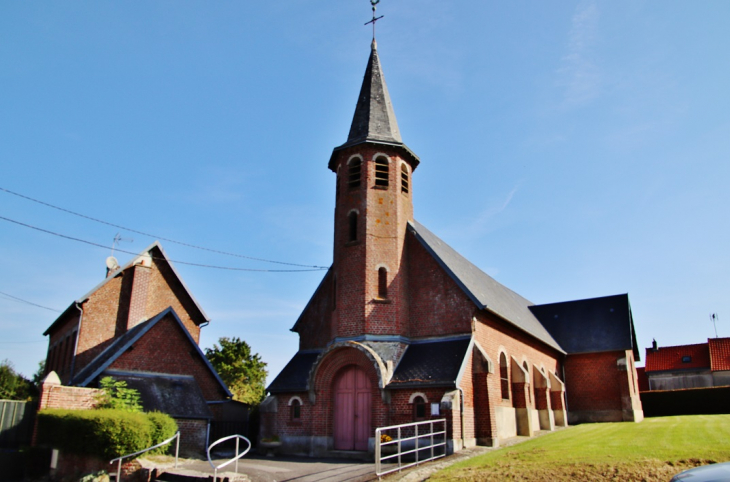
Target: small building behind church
pixel 403 328
pixel 679 367
pixel 141 325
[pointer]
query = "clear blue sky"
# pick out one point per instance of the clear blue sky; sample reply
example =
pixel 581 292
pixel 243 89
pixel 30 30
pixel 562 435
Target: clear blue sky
pixel 569 149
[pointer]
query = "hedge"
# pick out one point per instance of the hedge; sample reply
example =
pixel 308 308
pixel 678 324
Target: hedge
pixel 105 434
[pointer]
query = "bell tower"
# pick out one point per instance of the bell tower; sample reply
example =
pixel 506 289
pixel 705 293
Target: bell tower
pixel 373 205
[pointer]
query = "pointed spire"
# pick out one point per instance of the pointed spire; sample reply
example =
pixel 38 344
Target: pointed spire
pixel 374 119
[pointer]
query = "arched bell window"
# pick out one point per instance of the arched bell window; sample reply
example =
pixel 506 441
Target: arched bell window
pixel 354 169
pixel 382 168
pixel 404 184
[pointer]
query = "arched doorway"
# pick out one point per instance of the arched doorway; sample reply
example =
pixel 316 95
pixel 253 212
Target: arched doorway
pixel 352 409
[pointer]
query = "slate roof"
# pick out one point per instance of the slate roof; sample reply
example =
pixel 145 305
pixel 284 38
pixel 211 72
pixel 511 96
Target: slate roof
pixel 374 120
pixel 294 376
pixel 670 358
pixel 483 290
pixel 177 396
pixel 111 276
pixel 719 353
pixel 590 326
pixel 104 359
pixel 434 363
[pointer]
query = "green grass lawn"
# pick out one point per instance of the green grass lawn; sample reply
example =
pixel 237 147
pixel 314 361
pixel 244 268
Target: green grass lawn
pixel 652 450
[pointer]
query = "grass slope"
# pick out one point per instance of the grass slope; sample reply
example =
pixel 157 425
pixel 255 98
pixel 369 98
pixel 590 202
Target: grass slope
pixel 652 450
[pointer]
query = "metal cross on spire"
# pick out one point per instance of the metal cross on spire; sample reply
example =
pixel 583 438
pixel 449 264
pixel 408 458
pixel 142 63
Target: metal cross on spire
pixel 375 19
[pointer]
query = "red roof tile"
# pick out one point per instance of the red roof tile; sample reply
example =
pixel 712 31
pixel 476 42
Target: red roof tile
pixel 670 357
pixel 719 353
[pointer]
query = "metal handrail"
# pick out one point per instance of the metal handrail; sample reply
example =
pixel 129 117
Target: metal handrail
pixel 235 459
pixel 398 440
pixel 177 450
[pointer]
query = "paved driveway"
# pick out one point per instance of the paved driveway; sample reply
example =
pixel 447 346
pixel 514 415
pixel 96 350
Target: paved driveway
pixel 300 469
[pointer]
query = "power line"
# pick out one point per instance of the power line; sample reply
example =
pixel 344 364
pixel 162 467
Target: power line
pixel 159 258
pixel 29 302
pixel 152 235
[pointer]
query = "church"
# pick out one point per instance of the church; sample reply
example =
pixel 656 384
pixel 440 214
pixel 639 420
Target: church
pixel 403 328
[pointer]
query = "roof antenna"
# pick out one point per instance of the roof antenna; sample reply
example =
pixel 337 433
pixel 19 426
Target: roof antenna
pixel 713 319
pixel 375 19
pixel 117 239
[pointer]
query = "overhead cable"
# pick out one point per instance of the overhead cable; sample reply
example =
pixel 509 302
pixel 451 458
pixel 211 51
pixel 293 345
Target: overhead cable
pixel 29 302
pixel 154 236
pixel 160 258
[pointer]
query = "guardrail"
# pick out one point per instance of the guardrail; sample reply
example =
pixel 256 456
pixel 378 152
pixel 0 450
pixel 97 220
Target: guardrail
pixel 422 441
pixel 177 451
pixel 234 459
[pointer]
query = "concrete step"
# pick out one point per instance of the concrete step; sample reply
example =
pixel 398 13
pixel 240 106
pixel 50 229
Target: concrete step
pixel 186 475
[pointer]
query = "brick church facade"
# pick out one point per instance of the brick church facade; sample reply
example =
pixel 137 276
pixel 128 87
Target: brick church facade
pixel 403 328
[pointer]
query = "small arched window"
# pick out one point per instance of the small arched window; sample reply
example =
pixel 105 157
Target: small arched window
pixel 527 380
pixel 381 171
pixel 353 173
pixel 296 410
pixel 504 376
pixel 404 179
pixel 419 409
pixel 382 283
pixel 337 187
pixel 334 293
pixel 352 226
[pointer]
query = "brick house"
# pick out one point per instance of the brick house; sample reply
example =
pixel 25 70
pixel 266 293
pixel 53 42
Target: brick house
pixel 688 366
pixel 404 328
pixel 142 325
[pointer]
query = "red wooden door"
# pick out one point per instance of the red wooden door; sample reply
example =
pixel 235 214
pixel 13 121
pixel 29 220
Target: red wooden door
pixel 352 410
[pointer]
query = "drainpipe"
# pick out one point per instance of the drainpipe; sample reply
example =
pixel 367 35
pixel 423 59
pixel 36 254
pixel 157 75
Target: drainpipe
pixel 76 344
pixel 461 391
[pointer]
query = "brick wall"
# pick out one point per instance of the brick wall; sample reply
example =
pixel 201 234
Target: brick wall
pixel 193 435
pixel 438 305
pixel 315 323
pixel 166 349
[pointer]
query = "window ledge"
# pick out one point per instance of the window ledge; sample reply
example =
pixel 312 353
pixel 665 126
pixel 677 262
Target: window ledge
pixel 382 188
pixel 352 243
pixel 382 301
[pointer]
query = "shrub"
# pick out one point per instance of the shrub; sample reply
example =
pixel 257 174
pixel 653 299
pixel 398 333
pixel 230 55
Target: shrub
pixel 164 427
pixel 105 434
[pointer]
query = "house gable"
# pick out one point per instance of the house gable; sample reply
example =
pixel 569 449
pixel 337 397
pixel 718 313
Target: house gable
pixel 161 345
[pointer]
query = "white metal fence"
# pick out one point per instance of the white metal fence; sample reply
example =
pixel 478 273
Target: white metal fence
pixel 401 446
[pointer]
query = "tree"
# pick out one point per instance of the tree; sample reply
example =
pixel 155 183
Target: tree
pixel 243 372
pixel 115 395
pixel 13 385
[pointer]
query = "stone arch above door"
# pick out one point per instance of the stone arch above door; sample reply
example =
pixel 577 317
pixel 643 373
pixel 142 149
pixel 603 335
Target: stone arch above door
pixel 340 354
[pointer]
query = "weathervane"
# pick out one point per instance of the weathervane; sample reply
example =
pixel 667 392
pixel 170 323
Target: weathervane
pixel 375 19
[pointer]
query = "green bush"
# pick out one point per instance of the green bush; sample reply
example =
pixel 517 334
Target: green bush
pixel 106 434
pixel 164 427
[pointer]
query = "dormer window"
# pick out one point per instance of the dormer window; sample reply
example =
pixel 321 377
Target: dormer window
pixel 403 179
pixel 381 171
pixel 353 173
